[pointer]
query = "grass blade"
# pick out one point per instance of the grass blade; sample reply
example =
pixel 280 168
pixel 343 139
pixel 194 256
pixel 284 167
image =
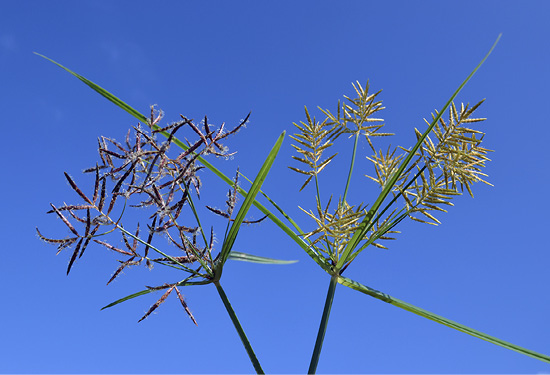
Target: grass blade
pixel 101 91
pixel 250 198
pixel 244 257
pixel 147 291
pixel 439 319
pixel 124 299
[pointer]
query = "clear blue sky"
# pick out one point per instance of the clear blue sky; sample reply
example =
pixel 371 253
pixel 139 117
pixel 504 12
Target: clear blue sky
pixel 486 266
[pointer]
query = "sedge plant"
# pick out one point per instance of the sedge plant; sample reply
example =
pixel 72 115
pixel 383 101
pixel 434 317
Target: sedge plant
pixel 416 183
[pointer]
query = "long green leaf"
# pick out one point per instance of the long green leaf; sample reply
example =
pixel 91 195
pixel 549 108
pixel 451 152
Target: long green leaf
pixel 101 91
pixel 244 257
pixel 366 224
pixel 439 319
pixel 147 291
pixel 250 198
pixel 124 299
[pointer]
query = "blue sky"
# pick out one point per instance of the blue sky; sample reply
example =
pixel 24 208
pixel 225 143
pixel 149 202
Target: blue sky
pixel 486 266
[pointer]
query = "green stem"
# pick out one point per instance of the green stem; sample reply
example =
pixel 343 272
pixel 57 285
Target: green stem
pixel 323 325
pixel 318 191
pixel 192 205
pixel 239 329
pixel 351 165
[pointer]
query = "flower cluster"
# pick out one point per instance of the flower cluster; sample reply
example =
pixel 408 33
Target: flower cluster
pixel 454 157
pixel 142 169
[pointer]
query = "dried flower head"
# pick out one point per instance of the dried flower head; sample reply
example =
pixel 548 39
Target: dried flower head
pixel 140 172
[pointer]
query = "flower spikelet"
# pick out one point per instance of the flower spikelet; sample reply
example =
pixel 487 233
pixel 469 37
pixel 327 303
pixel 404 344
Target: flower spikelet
pixel 453 157
pixel 334 230
pixel 354 116
pixel 312 140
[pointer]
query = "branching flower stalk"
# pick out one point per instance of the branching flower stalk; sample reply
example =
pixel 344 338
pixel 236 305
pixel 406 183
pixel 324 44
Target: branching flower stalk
pixel 144 170
pixel 353 117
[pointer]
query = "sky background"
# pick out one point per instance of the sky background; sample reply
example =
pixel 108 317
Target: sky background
pixel 486 266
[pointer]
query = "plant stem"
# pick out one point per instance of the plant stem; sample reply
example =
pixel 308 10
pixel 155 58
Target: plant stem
pixel 323 325
pixel 318 192
pixel 239 329
pixel 351 165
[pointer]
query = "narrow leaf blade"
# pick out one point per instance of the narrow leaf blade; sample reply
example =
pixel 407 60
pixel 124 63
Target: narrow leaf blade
pixel 147 291
pixel 101 91
pixel 244 257
pixel 124 299
pixel 439 319
pixel 249 200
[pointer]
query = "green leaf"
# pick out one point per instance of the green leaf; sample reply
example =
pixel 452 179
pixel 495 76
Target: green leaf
pixel 147 291
pixel 101 91
pixel 244 257
pixel 439 319
pixel 366 224
pixel 250 198
pixel 124 299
